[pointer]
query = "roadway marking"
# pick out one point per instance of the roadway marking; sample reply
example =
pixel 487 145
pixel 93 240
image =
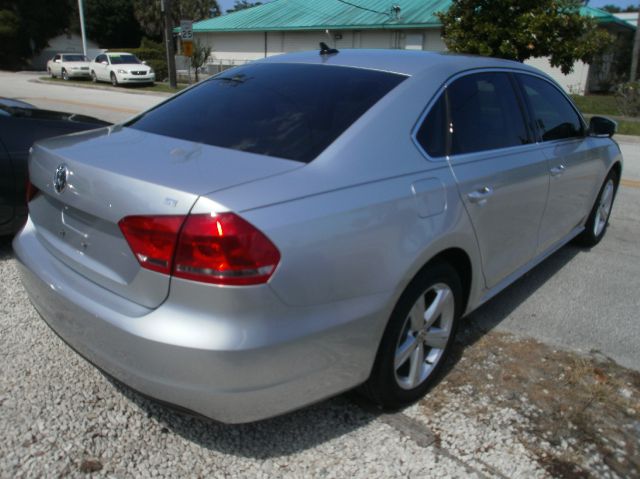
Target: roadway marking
pixel 81 103
pixel 630 183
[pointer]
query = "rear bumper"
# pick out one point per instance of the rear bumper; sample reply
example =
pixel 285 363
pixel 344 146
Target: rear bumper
pixel 234 370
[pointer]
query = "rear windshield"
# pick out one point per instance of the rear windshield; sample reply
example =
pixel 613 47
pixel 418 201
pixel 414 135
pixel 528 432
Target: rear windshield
pixel 288 111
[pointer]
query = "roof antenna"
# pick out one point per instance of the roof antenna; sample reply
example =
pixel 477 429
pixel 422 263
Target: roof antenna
pixel 325 50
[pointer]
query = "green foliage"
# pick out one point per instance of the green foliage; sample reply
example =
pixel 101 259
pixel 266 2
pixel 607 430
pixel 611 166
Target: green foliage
pixel 108 22
pixel 26 26
pixel 628 98
pixel 154 54
pixel 521 29
pixel 242 5
pixel 200 55
pixel 150 17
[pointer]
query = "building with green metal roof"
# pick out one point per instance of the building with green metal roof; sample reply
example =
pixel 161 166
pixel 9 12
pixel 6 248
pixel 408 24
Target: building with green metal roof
pixel 282 26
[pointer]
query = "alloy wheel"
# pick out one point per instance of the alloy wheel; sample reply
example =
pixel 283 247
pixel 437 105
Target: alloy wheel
pixel 424 336
pixel 604 208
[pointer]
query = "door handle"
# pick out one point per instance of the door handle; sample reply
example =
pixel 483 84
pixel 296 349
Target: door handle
pixel 558 170
pixel 480 196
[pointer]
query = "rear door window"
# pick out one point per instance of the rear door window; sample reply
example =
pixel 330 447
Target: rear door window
pixel 291 111
pixel 432 134
pixel 485 114
pixel 553 115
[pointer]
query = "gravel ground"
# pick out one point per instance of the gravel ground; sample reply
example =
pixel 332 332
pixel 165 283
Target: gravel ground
pixel 60 417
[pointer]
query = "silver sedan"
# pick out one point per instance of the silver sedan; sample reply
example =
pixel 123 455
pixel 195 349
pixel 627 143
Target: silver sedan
pixel 308 223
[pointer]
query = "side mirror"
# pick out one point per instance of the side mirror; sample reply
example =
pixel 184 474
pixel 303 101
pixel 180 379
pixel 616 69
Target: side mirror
pixel 144 62
pixel 104 62
pixel 602 127
pixel 57 61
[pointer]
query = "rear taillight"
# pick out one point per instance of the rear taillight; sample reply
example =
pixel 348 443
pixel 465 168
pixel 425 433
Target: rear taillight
pixel 30 191
pixel 212 248
pixel 152 239
pixel 224 249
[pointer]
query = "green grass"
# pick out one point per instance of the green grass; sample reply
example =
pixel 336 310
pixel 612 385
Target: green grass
pixel 596 104
pixel 157 87
pixel 591 105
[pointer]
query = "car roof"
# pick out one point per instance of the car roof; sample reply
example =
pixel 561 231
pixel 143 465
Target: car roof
pixel 406 62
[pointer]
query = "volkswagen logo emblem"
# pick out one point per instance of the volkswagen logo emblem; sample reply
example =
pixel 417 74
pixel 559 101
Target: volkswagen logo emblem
pixel 60 178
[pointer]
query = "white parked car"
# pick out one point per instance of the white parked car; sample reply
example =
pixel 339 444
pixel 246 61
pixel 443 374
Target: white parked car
pixel 68 65
pixel 118 68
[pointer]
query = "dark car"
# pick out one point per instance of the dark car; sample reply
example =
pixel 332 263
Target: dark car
pixel 21 124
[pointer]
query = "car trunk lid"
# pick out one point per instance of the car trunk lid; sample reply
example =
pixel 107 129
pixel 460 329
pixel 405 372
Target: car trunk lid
pixel 117 172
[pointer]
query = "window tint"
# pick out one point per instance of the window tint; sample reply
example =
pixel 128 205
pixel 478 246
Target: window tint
pixel 290 111
pixel 553 114
pixel 485 114
pixel 74 58
pixel 101 58
pixel 123 59
pixel 432 134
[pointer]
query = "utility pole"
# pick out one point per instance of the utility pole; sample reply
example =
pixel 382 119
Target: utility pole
pixel 165 8
pixel 636 51
pixel 82 33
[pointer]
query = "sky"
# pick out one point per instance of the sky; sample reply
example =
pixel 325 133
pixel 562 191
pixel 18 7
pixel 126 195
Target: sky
pixel 224 4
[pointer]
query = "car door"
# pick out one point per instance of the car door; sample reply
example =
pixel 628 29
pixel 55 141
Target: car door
pixel 102 65
pixel 501 175
pixel 572 157
pixel 56 65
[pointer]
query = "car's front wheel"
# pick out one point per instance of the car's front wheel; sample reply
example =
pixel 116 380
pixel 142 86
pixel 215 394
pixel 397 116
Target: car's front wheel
pixel 114 79
pixel 598 220
pixel 50 73
pixel 65 75
pixel 418 338
pixel 94 78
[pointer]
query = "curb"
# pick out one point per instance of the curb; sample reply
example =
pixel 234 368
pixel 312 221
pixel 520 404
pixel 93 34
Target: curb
pixel 103 88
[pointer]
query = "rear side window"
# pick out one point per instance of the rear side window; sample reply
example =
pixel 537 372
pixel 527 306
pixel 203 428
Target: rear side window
pixel 291 111
pixel 484 114
pixel 553 115
pixel 432 135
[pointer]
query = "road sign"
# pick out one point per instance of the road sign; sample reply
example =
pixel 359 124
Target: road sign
pixel 187 48
pixel 186 30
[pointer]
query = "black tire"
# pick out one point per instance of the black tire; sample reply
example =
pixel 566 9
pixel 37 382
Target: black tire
pixel 94 78
pixel 590 237
pixel 114 79
pixel 383 386
pixel 50 73
pixel 65 75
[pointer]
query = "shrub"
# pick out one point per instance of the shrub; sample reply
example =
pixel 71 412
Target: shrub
pixel 628 98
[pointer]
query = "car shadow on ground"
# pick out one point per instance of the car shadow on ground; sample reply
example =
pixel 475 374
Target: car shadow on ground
pixel 6 252
pixel 492 313
pixel 329 419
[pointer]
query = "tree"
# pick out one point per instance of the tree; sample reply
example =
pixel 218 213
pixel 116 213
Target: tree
pixel 521 29
pixel 150 17
pixel 27 25
pixel 200 55
pixel 242 5
pixel 110 23
pixel 611 8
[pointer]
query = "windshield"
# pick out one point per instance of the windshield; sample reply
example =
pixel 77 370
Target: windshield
pixel 291 111
pixel 120 59
pixel 74 58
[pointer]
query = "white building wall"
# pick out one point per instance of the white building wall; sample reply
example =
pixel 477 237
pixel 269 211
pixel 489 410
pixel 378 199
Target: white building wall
pixel 574 82
pixel 240 47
